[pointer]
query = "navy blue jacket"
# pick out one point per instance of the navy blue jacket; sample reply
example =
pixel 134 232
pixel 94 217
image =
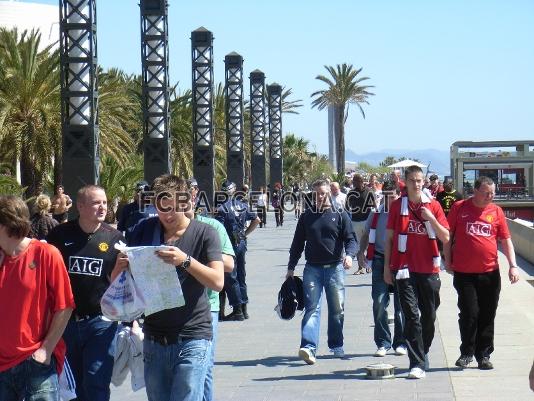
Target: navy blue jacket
pixel 322 235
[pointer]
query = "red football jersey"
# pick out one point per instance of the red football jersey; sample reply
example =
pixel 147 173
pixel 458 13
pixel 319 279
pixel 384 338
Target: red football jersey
pixel 33 286
pixel 475 232
pixel 418 248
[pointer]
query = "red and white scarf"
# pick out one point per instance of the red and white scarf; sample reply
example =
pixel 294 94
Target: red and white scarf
pixel 399 251
pixel 372 239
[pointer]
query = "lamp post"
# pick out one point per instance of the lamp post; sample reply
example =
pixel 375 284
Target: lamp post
pixel 257 129
pixel 202 64
pixel 274 94
pixel 155 72
pixel 235 166
pixel 79 94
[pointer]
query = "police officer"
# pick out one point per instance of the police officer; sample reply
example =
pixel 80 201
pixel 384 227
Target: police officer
pixel 234 214
pixel 137 210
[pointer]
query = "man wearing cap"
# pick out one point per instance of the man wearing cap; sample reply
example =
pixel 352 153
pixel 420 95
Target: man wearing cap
pixel 234 215
pixel 135 211
pixel 435 187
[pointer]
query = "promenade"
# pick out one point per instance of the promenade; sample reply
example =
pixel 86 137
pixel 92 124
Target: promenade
pixel 257 359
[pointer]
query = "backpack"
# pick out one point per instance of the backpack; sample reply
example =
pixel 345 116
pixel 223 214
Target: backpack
pixel 290 298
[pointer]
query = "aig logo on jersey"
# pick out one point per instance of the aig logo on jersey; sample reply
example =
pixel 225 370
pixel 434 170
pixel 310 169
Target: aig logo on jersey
pixel 478 229
pixel 85 266
pixel 416 227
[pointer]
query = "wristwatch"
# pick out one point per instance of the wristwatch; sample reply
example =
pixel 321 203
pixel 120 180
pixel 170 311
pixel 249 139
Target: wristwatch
pixel 186 263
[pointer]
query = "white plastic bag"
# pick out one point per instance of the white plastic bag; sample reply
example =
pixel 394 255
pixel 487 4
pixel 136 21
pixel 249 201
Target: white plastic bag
pixel 123 300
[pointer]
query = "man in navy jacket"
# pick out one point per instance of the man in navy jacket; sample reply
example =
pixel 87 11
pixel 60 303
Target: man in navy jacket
pixel 323 233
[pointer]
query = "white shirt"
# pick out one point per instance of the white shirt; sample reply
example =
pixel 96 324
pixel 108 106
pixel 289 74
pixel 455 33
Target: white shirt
pixel 338 201
pixel 262 200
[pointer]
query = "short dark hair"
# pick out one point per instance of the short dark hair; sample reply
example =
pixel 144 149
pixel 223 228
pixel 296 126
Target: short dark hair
pixel 169 183
pixel 412 169
pixel 433 177
pixel 389 186
pixel 483 180
pixel 15 216
pixel 320 183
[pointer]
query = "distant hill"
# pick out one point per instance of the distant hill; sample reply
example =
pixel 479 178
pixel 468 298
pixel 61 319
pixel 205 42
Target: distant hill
pixel 439 159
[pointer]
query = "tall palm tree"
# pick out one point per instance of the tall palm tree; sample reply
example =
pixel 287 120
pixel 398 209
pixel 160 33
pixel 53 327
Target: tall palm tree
pixel 29 104
pixel 297 158
pixel 344 88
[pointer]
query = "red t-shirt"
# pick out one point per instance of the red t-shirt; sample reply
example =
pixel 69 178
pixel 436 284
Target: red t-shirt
pixel 418 249
pixel 475 231
pixel 33 286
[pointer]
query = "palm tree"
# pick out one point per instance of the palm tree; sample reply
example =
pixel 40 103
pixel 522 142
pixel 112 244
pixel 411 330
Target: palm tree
pixel 297 159
pixel 344 88
pixel 29 105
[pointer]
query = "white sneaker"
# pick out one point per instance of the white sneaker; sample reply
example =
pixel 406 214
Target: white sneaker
pixel 416 373
pixel 338 352
pixel 401 350
pixel 306 355
pixel 381 351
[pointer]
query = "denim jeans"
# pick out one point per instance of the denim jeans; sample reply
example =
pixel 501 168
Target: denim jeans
pixel 30 381
pixel 332 279
pixel 91 352
pixel 208 384
pixel 380 295
pixel 176 372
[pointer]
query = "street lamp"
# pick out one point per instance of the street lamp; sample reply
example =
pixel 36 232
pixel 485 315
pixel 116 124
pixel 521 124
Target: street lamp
pixel 274 94
pixel 79 94
pixel 202 64
pixel 257 129
pixel 155 72
pixel 235 167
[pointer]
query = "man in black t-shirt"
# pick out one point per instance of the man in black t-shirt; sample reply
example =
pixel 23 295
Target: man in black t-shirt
pixel 87 247
pixel 448 196
pixel 177 343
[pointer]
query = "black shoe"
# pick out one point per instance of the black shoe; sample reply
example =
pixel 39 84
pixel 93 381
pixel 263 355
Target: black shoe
pixel 235 316
pixel 244 310
pixel 485 364
pixel 464 361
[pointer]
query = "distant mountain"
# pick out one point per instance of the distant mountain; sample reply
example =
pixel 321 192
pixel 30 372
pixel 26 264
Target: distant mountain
pixel 439 159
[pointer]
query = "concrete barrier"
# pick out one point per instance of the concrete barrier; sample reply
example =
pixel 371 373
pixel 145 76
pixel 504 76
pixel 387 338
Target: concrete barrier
pixel 523 238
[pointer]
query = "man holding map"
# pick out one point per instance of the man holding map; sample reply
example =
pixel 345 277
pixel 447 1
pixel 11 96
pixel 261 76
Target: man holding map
pixel 177 342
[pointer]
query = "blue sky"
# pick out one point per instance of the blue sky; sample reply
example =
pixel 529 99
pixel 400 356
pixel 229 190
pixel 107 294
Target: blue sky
pixel 443 70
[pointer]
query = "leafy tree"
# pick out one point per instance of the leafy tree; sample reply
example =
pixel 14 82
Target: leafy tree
pixel 343 89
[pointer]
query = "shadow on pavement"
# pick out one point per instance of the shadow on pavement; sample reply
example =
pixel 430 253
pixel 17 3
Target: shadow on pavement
pixel 358 374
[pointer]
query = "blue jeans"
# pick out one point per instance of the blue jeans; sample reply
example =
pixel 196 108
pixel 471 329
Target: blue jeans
pixel 30 381
pixel 208 384
pixel 91 352
pixel 176 372
pixel 332 279
pixel 380 295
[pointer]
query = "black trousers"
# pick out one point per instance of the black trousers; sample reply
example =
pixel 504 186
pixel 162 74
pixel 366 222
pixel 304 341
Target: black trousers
pixel 279 216
pixel 262 214
pixel 478 297
pixel 419 299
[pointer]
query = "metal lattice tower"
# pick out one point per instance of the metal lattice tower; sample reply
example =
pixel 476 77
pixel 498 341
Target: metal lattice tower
pixel 79 93
pixel 202 60
pixel 257 129
pixel 274 94
pixel 155 72
pixel 235 163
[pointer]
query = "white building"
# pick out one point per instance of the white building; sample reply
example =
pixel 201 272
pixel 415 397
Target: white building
pixel 28 16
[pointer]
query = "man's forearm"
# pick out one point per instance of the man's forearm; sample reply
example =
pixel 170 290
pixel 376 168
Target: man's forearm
pixel 252 226
pixel 57 327
pixel 509 251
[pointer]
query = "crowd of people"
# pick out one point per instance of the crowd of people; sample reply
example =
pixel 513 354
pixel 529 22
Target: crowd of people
pixel 397 229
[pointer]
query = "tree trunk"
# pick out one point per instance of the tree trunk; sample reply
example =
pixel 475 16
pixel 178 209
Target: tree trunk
pixel 27 173
pixel 340 138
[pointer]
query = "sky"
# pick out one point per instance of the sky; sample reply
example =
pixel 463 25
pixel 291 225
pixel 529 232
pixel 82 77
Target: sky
pixel 443 71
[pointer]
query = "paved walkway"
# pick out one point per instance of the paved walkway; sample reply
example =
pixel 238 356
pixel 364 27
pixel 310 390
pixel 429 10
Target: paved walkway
pixel 257 359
